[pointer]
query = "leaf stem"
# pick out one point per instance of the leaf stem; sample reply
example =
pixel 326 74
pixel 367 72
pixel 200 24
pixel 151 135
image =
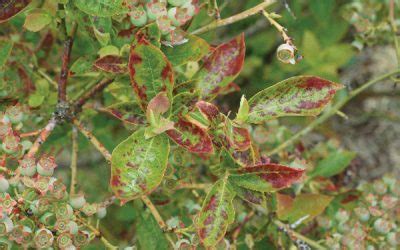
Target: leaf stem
pixel 44 134
pixel 154 212
pixel 96 143
pixel 325 116
pixel 243 15
pixel 279 27
pixel 74 159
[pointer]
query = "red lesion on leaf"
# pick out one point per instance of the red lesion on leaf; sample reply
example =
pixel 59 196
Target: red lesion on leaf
pixel 115 180
pixel 111 63
pixel 204 144
pixel 133 60
pixel 279 176
pixel 167 73
pixel 208 109
pixel 240 139
pixel 10 8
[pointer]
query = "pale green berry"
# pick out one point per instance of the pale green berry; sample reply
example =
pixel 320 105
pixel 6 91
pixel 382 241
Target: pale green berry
pixel 6 226
pixel 43 238
pixel 4 185
pixel 343 228
pixel 46 166
pixel 11 144
pixel 388 202
pixel 77 201
pixel 27 166
pixel 73 227
pixel 15 113
pixel 138 16
pixel 155 10
pixel 382 226
pixel 342 216
pixel 380 187
pixel 393 238
pixel 362 214
pixel 101 212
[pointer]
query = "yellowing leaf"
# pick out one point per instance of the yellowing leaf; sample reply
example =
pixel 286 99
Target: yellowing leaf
pixel 37 20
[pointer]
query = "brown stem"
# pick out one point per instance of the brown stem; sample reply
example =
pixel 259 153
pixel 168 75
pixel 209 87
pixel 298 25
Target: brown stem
pixel 66 57
pixel 96 89
pixel 44 134
pixel 98 145
pixel 154 212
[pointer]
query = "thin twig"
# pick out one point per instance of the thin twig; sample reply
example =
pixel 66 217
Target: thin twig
pixel 74 159
pixel 154 212
pixel 92 92
pixel 106 243
pixel 29 134
pixel 193 186
pixel 44 134
pixel 279 27
pixel 330 113
pixel 294 234
pixel 96 143
pixel 243 15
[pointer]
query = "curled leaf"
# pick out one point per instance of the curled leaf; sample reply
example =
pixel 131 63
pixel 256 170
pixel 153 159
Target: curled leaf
pixel 128 112
pixel 296 96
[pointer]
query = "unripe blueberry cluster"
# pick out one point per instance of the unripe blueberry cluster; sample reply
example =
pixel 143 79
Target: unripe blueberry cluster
pixel 36 211
pixel 374 222
pixel 168 14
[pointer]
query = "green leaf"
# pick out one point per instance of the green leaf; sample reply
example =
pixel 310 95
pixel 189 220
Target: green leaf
pixel 101 8
pixel 5 51
pixel 296 96
pixel 128 112
pixel 35 100
pixel 266 177
pixel 36 20
pixel 311 49
pixel 221 67
pixel 138 165
pixel 216 214
pixel 251 196
pixel 333 164
pixel 149 234
pixel 10 8
pixel 304 207
pixel 150 71
pixel 193 50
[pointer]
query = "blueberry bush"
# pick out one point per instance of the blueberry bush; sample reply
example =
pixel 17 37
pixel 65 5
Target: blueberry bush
pixel 123 125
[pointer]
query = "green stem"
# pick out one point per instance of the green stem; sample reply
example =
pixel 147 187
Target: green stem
pixel 329 113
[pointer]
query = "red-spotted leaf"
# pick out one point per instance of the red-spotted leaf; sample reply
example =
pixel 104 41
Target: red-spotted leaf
pixel 128 112
pixel 209 110
pixel 221 67
pixel 138 165
pixel 111 64
pixel 191 51
pixel 10 8
pixel 303 208
pixel 237 138
pixel 266 177
pixel 296 96
pixel 149 69
pixel 191 137
pixel 216 214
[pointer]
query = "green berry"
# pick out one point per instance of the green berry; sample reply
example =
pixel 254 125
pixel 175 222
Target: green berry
pixel 342 216
pixel 77 201
pixel 43 238
pixel 362 214
pixel 382 226
pixel 27 166
pixel 46 165
pixel 4 185
pixel 6 226
pixel 156 10
pixel 101 212
pixel 138 16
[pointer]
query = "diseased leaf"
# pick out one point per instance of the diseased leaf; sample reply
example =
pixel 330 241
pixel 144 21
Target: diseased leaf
pixel 101 8
pixel 303 208
pixel 251 196
pixel 333 164
pixel 150 71
pixel 191 137
pixel 266 177
pixel 111 64
pixel 221 67
pixel 10 8
pixel 128 112
pixel 209 111
pixel 237 138
pixel 216 213
pixel 192 50
pixel 183 101
pixel 138 165
pixel 296 96
pixel 5 50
